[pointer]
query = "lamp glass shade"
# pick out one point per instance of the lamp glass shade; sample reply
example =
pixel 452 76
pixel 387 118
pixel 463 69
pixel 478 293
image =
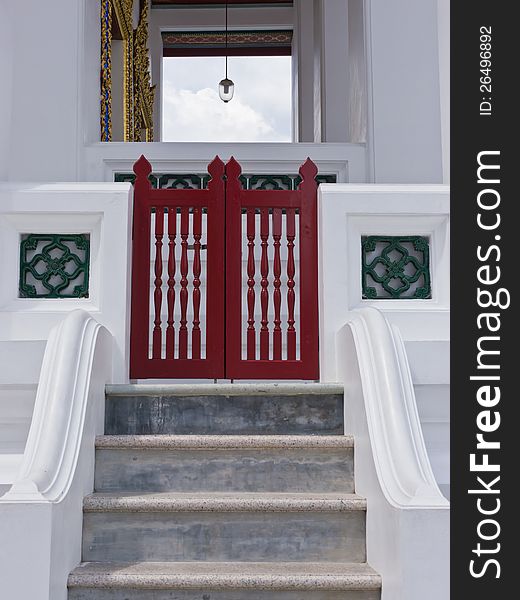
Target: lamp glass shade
pixel 226 89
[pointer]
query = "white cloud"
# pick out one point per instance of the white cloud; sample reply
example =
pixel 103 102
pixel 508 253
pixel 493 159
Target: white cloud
pixel 260 110
pixel 202 116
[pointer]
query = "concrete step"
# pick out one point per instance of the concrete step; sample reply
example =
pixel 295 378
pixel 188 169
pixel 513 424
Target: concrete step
pixel 224 527
pixel 240 463
pixel 224 581
pixel 246 409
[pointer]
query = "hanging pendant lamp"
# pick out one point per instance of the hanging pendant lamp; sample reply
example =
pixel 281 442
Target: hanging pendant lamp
pixel 226 87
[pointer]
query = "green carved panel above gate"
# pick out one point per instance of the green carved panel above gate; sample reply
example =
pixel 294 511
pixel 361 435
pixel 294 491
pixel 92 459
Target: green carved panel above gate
pixel 54 265
pixel 199 181
pixel 395 267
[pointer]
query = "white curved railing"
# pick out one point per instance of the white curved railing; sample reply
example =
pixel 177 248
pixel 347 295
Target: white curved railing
pixel 41 515
pixel 407 517
pixel 60 409
pixel 399 452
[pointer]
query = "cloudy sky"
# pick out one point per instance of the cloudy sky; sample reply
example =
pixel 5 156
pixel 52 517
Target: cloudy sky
pixel 260 110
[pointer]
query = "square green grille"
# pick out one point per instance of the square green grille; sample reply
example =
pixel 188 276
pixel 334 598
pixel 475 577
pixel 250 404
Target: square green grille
pixel 54 265
pixel 395 267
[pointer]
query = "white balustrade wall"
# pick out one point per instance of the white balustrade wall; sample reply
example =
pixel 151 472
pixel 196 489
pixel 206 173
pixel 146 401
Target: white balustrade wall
pixel 408 518
pixel 346 214
pixel 41 518
pixel 103 212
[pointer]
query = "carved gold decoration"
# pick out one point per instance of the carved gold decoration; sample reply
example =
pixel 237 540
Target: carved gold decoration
pixel 144 93
pixel 106 71
pixel 123 10
pixel 124 15
pixel 138 94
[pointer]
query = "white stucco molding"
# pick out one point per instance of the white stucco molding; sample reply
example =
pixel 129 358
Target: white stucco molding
pixel 346 161
pixel 407 517
pixel 60 411
pixel 398 449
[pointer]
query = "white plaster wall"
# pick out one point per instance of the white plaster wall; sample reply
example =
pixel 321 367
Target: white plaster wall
pixel 45 139
pixel 334 43
pixel 303 71
pixel 405 128
pixel 430 368
pixel 345 214
pixel 357 73
pixel 15 522
pixel 49 66
pixel 90 56
pixel 316 65
pixel 444 81
pixel 6 77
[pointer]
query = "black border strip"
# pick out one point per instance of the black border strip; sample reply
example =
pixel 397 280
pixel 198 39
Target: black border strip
pixel 483 132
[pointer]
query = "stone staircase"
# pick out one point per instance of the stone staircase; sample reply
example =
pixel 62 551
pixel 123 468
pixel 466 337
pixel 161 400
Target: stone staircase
pixel 233 492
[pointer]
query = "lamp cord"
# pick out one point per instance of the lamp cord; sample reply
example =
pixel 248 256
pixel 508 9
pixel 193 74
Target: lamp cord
pixel 226 36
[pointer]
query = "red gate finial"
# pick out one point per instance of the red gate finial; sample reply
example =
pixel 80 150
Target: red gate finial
pixel 142 168
pixel 308 172
pixel 216 170
pixel 233 171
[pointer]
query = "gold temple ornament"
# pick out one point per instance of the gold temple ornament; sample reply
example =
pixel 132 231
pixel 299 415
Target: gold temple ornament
pixel 106 71
pixel 138 94
pixel 144 93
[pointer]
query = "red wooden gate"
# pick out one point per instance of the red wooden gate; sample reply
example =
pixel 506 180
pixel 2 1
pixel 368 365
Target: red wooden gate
pixel 168 355
pixel 247 311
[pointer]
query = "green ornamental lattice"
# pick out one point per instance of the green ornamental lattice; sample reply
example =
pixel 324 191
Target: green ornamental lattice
pixel 54 265
pixel 395 267
pixel 200 181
